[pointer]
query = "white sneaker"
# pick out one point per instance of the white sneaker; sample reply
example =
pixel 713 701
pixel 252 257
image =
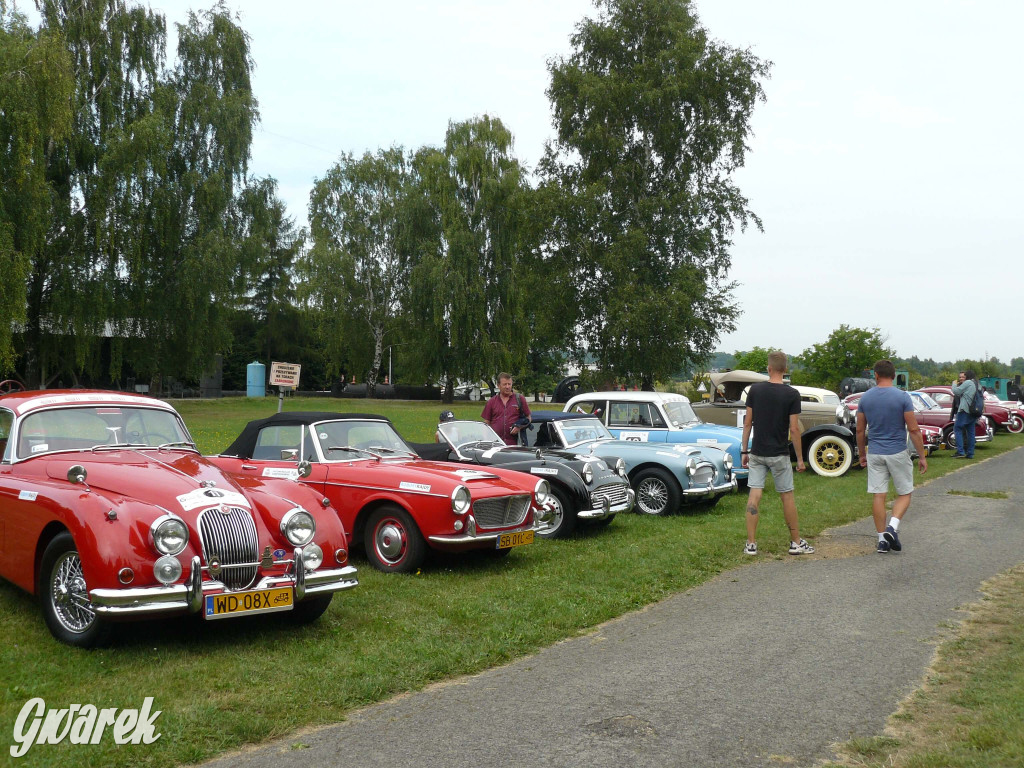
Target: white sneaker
pixel 800 547
pixel 750 549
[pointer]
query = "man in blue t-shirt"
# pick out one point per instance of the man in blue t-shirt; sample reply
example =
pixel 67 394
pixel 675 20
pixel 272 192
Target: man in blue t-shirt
pixel 884 417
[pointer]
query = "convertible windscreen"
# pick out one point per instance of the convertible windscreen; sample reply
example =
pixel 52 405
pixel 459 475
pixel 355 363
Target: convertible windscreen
pixel 82 429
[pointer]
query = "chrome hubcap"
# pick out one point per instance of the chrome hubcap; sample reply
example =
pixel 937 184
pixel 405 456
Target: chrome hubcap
pixel 69 595
pixel 652 496
pixel 390 541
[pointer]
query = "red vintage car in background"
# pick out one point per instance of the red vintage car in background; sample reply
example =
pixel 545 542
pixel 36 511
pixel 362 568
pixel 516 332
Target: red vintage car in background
pixel 996 413
pixel 930 413
pixel 109 513
pixel 394 503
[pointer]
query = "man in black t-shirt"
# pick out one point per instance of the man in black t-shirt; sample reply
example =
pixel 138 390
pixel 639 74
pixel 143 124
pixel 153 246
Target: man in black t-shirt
pixel 773 410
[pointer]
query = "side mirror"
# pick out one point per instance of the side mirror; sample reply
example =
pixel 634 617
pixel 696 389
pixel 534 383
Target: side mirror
pixel 77 474
pixel 289 454
pixel 305 468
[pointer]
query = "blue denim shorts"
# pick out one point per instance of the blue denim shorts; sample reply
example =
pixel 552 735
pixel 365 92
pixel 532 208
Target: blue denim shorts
pixel 780 467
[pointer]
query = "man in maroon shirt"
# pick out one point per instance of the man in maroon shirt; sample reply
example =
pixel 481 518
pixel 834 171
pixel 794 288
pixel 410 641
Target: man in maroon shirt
pixel 507 412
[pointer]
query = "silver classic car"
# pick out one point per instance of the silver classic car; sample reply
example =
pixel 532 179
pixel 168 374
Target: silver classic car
pixel 663 476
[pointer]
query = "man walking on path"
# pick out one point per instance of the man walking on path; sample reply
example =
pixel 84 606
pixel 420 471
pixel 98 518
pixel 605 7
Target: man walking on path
pixel 773 409
pixel 884 417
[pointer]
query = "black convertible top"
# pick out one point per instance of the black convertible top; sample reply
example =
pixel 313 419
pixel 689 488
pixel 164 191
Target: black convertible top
pixel 246 442
pixel 540 417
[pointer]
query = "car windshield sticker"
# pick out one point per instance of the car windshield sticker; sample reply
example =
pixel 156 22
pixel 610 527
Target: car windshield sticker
pixel 323 435
pixel 414 487
pixel 543 471
pixel 208 497
pixel 285 473
pixel 40 448
pixel 473 474
pixel 636 437
pixel 28 495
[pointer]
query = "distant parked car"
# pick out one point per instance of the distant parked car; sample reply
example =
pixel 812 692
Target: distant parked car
pixel 108 513
pixel 658 417
pixel 826 429
pixel 928 411
pixel 662 476
pixel 583 488
pixel 996 413
pixel 1015 425
pixel 395 505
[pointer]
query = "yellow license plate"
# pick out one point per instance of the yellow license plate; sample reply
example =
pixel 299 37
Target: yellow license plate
pixel 517 539
pixel 257 601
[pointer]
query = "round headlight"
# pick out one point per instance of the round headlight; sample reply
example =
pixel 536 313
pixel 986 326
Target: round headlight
pixel 542 491
pixel 312 557
pixel 727 460
pixel 298 526
pixel 620 467
pixel 691 466
pixel 169 534
pixel 167 570
pixel 461 500
pixel 588 473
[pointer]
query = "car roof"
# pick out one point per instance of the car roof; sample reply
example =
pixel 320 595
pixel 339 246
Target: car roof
pixel 737 376
pixel 246 441
pixel 637 396
pixel 26 401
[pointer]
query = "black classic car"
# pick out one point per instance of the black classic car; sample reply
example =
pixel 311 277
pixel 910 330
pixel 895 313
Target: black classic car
pixel 583 487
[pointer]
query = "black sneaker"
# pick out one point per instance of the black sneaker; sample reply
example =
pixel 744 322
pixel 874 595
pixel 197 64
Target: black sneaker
pixel 883 547
pixel 893 539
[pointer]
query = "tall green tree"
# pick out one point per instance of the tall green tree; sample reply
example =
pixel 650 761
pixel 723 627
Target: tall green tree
pixel 36 83
pixel 470 238
pixel 652 120
pixel 355 271
pixel 754 360
pixel 848 351
pixel 116 55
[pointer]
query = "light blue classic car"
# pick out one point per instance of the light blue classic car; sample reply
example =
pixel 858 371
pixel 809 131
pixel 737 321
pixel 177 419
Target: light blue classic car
pixel 658 417
pixel 663 476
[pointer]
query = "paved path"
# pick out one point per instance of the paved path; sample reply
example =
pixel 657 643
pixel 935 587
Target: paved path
pixel 768 664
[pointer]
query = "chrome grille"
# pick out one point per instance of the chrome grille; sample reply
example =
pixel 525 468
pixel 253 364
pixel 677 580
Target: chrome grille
pixel 230 539
pixel 501 512
pixel 616 493
pixel 704 475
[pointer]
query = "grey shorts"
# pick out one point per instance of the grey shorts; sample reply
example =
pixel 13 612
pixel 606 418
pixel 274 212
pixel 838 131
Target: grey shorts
pixel 780 467
pixel 898 467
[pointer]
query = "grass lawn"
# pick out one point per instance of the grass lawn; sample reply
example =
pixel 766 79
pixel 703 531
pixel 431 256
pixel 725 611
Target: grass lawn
pixel 225 684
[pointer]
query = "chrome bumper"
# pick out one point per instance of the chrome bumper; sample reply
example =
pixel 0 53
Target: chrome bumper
pixel 188 597
pixel 608 509
pixel 472 536
pixel 711 490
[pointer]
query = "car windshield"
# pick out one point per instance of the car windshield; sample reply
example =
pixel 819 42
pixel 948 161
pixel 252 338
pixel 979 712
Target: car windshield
pixel 924 401
pixel 460 433
pixel 679 412
pixel 99 427
pixel 341 440
pixel 576 431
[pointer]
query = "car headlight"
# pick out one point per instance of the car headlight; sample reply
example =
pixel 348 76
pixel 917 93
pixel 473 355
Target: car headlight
pixel 542 491
pixel 312 557
pixel 691 466
pixel 169 534
pixel 461 500
pixel 298 526
pixel 727 460
pixel 588 473
pixel 620 467
pixel 167 570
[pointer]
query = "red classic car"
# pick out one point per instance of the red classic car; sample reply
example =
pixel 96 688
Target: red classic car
pixel 109 512
pixel 930 413
pixel 388 498
pixel 996 413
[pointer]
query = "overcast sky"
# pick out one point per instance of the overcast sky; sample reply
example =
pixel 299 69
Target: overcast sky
pixel 885 164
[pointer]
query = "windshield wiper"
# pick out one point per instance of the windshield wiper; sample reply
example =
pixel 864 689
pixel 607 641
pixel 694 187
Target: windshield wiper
pixel 117 446
pixel 382 449
pixel 353 449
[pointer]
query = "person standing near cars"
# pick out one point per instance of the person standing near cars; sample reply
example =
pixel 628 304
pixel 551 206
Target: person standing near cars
pixel 884 417
pixel 773 410
pixel 964 389
pixel 507 412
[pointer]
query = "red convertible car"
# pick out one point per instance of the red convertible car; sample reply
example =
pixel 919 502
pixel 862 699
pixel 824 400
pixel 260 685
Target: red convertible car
pixel 108 512
pixel 392 501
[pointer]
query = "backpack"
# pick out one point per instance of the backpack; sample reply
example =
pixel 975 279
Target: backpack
pixel 977 406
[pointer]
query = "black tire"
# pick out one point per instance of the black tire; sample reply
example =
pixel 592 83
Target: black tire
pixel 563 522
pixel 657 492
pixel 949 438
pixel 1015 425
pixel 392 541
pixel 63 596
pixel 309 610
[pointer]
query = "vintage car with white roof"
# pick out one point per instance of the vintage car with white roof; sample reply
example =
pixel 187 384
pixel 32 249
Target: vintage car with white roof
pixel 393 503
pixel 664 477
pixel 109 513
pixel 583 487
pixel 658 417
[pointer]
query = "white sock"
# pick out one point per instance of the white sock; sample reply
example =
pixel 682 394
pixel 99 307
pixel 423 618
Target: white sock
pixel 895 523
pixel 881 537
